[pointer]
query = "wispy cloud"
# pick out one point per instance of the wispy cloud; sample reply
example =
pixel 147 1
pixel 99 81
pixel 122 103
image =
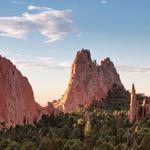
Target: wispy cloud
pixel 4 52
pixel 19 3
pixel 104 1
pixel 133 69
pixel 28 62
pixel 51 23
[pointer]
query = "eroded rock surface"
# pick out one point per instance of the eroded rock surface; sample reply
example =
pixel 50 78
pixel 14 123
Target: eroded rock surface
pixel 89 82
pixel 17 104
pixel 138 111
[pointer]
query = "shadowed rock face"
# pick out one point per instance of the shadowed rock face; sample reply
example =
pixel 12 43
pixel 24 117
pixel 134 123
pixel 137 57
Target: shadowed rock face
pixel 89 82
pixel 17 105
pixel 49 109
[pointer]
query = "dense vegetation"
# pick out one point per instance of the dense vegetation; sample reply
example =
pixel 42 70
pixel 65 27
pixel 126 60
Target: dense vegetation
pixel 100 126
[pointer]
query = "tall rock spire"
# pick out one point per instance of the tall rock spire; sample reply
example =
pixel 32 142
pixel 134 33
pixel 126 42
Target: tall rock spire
pixel 133 90
pixel 144 103
pixel 133 112
pixel 144 110
pixel 89 82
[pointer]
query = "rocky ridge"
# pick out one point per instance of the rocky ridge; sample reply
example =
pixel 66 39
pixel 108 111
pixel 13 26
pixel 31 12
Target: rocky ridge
pixel 89 82
pixel 17 104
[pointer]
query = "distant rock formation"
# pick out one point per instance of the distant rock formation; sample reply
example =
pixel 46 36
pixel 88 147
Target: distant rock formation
pixel 134 106
pixel 49 109
pixel 17 104
pixel 137 111
pixel 89 82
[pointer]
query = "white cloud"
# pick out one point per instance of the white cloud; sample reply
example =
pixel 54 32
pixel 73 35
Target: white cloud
pixel 51 23
pixel 103 1
pixel 28 62
pixel 133 69
pixel 4 52
pixel 13 27
pixel 31 7
pixel 19 2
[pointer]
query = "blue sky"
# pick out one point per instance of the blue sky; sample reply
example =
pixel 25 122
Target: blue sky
pixel 42 37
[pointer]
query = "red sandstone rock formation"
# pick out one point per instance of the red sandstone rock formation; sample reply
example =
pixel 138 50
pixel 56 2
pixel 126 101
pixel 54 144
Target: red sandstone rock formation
pixel 17 104
pixel 134 106
pixel 137 111
pixel 89 81
pixel 49 109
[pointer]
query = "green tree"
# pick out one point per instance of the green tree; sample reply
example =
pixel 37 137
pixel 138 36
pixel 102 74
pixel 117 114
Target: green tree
pixel 88 129
pixel 73 144
pixel 104 146
pixel 145 144
pixel 13 146
pixel 28 145
pixel 4 143
pixel 50 144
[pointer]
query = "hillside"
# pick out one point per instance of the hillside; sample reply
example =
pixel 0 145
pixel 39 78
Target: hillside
pixel 96 127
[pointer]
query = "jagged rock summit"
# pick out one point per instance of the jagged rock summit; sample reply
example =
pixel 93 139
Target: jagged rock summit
pixel 89 82
pixel 17 104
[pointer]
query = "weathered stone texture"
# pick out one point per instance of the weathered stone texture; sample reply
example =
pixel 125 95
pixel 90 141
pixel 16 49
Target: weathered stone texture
pixel 89 81
pixel 17 104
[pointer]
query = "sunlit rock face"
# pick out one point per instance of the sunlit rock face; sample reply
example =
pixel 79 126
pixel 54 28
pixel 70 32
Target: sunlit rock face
pixel 133 114
pixel 17 104
pixel 89 82
pixel 137 111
